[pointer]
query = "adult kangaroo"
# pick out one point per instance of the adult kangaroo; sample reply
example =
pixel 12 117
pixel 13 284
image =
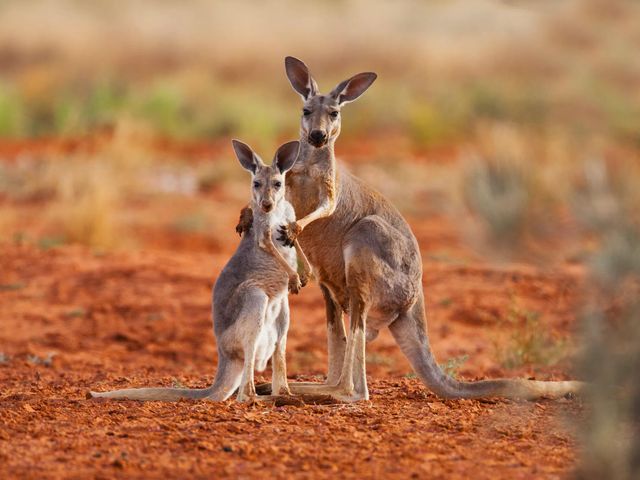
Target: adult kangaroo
pixel 366 259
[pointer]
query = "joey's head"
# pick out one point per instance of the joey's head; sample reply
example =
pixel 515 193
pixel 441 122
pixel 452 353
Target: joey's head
pixel 320 123
pixel 267 181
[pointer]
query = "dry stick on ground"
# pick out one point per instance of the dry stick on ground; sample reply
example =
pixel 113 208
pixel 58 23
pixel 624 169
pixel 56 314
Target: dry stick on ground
pixel 366 259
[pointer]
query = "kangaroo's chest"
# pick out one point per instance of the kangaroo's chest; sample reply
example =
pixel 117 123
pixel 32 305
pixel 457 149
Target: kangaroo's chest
pixel 303 190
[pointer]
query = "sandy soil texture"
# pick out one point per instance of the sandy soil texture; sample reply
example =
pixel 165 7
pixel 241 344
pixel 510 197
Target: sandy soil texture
pixel 73 320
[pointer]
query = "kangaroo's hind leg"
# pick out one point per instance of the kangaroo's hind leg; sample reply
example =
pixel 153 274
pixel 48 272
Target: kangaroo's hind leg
pixel 279 383
pixel 247 327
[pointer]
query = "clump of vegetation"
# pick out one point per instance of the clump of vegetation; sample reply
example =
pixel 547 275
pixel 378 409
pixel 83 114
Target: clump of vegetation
pixel 604 201
pixel 611 325
pixel 496 190
pixel 88 198
pixel 380 359
pixel 452 366
pixel 47 360
pixel 530 342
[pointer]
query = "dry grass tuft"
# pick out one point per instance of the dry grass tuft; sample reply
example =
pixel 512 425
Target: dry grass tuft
pixel 86 204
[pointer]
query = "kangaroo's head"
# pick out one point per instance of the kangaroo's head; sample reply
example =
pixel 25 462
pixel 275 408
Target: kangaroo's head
pixel 267 181
pixel 320 122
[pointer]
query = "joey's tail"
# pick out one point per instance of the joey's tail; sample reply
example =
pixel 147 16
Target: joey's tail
pixel 226 382
pixel 409 331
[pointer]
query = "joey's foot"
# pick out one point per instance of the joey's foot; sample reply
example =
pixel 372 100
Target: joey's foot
pixel 294 284
pixel 245 221
pixel 289 233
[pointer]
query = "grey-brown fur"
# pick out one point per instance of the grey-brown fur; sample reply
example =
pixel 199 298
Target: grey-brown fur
pixel 366 260
pixel 250 305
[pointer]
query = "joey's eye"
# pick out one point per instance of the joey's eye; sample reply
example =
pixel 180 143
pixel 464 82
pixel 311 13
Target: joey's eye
pixel 334 114
pixel 257 184
pixel 277 184
pixel 306 112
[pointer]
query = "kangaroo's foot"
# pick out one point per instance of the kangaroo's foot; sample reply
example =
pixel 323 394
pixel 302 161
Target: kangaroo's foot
pixel 289 233
pixel 339 393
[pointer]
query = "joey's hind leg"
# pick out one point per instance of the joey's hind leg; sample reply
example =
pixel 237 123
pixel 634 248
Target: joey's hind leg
pixel 248 324
pixel 279 384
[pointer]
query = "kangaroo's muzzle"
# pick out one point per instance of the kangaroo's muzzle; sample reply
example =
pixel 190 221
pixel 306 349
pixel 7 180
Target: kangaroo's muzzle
pixel 317 138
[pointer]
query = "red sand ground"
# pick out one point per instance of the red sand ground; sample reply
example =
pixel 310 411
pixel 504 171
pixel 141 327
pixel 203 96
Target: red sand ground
pixel 135 319
pixel 143 319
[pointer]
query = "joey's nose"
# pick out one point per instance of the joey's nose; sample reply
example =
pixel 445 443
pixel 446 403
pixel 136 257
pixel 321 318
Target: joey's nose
pixel 267 206
pixel 317 138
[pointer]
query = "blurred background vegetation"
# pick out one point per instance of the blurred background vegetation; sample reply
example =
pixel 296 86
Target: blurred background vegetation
pixel 516 121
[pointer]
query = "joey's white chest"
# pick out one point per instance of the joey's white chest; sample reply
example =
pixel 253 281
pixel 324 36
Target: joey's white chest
pixel 283 216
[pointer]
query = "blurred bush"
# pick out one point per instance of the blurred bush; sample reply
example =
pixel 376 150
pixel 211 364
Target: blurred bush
pixel 188 71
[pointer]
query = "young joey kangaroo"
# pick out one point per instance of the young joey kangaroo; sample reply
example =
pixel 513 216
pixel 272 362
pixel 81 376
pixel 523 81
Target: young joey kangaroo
pixel 250 305
pixel 366 259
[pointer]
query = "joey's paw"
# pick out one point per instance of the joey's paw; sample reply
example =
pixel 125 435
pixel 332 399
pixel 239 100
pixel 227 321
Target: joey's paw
pixel 304 279
pixel 294 284
pixel 245 221
pixel 289 233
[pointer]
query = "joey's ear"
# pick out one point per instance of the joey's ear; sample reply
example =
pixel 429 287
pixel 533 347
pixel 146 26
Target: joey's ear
pixel 352 88
pixel 300 78
pixel 249 160
pixel 287 155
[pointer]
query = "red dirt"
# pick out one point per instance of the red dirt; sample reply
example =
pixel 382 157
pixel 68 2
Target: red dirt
pixel 143 318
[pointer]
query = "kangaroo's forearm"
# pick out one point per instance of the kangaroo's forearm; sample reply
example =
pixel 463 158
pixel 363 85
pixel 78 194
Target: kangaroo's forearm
pixel 306 266
pixel 327 200
pixel 326 208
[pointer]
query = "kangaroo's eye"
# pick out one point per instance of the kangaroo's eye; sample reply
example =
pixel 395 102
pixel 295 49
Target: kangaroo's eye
pixel 277 184
pixel 334 114
pixel 257 184
pixel 306 112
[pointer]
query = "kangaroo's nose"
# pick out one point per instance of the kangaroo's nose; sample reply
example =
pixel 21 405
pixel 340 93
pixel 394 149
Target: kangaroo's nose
pixel 267 206
pixel 317 137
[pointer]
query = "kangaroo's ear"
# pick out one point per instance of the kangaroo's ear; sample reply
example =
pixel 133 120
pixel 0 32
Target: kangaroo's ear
pixel 249 160
pixel 300 78
pixel 287 155
pixel 352 88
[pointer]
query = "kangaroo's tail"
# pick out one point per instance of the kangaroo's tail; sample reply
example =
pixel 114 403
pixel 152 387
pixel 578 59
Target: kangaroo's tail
pixel 409 331
pixel 226 382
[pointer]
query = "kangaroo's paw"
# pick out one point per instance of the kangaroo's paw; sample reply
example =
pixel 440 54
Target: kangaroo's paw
pixel 305 278
pixel 245 221
pixel 294 284
pixel 289 233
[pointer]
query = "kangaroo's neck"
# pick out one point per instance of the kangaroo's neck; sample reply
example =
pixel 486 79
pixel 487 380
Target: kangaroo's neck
pixel 310 155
